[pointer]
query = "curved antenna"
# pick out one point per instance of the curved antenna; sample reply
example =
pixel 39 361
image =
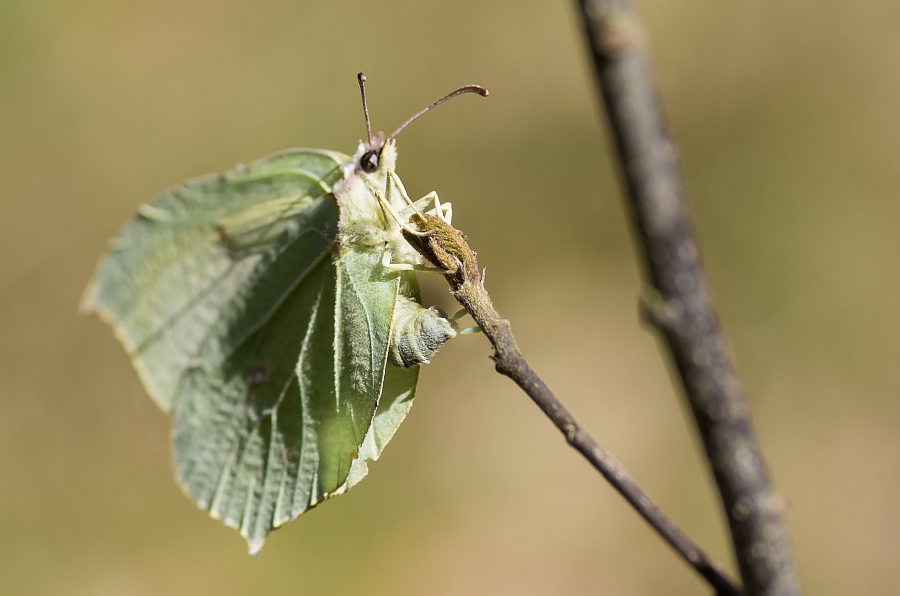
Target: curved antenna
pixel 466 89
pixel 361 77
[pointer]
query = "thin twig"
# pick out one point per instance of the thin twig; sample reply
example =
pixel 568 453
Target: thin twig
pixel 680 304
pixel 446 247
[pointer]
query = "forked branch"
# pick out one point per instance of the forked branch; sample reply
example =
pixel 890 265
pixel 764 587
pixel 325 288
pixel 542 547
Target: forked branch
pixel 446 247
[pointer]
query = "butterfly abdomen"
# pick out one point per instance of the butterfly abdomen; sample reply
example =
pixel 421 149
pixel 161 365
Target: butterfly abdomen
pixel 418 333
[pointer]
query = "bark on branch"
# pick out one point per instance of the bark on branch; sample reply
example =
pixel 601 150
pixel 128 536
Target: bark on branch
pixel 680 305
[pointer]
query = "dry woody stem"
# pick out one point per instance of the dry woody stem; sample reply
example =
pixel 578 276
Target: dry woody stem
pixel 446 248
pixel 680 304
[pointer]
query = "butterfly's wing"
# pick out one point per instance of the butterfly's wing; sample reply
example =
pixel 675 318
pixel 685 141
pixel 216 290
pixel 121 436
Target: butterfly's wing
pixel 175 280
pixel 276 427
pixel 398 390
pixel 267 347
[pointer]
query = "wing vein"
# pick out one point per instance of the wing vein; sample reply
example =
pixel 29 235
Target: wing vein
pixel 304 400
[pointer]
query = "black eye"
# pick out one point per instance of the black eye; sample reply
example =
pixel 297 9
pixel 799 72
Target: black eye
pixel 369 161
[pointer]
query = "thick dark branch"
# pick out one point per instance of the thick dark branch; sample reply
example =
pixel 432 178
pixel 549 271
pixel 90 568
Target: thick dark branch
pixel 681 306
pixel 446 248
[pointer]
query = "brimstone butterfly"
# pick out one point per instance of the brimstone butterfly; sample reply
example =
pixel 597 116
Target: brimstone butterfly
pixel 273 311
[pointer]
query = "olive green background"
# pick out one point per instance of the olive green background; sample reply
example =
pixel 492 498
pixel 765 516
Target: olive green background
pixel 787 113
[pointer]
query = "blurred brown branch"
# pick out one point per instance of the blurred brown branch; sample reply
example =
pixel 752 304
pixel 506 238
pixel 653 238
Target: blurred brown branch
pixel 681 306
pixel 446 248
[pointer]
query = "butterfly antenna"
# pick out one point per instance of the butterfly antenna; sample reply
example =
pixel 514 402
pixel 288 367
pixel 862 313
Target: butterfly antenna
pixel 466 89
pixel 362 89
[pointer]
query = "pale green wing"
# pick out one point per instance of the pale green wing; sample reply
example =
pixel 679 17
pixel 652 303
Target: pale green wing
pixel 398 391
pixel 173 281
pixel 269 349
pixel 257 440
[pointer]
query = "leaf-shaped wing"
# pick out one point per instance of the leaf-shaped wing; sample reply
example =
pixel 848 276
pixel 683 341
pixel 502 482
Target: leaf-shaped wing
pixel 267 347
pixel 175 279
pixel 280 424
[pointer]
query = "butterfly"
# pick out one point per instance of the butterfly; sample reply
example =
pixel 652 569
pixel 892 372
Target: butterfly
pixel 274 312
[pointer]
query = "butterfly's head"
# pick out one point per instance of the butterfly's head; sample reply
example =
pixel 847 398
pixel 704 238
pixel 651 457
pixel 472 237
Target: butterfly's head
pixel 376 155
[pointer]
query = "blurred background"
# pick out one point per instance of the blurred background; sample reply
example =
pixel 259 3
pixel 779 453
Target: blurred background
pixel 787 113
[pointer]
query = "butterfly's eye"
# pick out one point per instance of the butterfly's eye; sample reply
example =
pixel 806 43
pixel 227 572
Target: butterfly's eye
pixel 369 161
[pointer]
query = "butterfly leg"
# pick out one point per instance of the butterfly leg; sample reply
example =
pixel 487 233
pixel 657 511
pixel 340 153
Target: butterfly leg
pixel 386 262
pixel 386 205
pixel 443 211
pixel 393 178
pixel 421 268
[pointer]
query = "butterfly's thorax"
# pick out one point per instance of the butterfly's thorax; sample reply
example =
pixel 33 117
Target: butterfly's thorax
pixel 364 224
